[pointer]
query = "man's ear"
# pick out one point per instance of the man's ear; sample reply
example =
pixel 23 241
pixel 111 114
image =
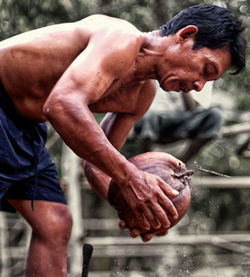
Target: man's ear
pixel 189 31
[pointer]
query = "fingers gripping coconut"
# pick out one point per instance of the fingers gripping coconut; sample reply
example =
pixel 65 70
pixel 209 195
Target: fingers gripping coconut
pixel 173 172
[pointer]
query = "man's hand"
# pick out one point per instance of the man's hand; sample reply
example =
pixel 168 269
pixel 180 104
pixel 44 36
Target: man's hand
pixel 144 236
pixel 148 204
pixel 131 225
pixel 128 220
pixel 148 197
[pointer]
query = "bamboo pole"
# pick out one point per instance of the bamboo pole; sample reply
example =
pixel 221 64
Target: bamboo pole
pixel 235 129
pixel 70 171
pixel 174 239
pixel 221 182
pixel 4 253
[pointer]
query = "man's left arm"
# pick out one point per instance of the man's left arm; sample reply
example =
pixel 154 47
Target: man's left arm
pixel 116 127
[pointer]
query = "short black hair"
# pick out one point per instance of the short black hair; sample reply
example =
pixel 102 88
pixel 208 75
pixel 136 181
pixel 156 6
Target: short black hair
pixel 217 28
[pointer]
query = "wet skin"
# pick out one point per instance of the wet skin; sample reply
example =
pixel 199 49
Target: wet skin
pixel 64 73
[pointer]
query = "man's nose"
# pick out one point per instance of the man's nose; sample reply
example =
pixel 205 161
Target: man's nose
pixel 198 85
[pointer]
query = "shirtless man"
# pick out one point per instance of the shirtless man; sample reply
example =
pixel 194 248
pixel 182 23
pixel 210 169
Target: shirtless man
pixel 62 74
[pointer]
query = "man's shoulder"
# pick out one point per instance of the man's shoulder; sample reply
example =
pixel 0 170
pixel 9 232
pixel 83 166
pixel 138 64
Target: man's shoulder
pixel 111 29
pixel 101 21
pixel 114 42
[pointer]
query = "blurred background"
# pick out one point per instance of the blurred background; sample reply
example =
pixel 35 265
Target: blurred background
pixel 214 236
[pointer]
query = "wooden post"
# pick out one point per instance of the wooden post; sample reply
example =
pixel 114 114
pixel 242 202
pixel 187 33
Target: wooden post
pixel 4 239
pixel 70 173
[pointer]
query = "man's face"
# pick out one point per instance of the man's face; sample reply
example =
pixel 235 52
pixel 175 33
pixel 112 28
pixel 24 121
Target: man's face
pixel 185 69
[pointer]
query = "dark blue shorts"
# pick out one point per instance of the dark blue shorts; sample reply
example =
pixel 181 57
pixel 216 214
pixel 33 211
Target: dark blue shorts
pixel 26 169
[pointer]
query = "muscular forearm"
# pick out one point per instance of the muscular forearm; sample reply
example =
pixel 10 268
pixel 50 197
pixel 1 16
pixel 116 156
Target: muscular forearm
pixel 98 180
pixel 81 132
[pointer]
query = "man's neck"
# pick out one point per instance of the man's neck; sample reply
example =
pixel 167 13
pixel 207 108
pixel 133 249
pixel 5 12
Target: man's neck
pixel 149 56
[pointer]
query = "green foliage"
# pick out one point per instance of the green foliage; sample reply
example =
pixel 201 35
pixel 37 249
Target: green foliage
pixel 23 15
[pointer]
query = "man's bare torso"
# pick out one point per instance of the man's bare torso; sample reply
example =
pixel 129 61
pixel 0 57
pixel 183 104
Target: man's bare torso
pixel 32 63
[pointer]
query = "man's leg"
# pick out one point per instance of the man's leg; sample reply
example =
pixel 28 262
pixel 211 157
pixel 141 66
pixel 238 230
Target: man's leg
pixel 51 224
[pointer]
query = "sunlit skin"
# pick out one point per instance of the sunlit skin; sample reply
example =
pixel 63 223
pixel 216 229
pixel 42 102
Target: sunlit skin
pixel 64 73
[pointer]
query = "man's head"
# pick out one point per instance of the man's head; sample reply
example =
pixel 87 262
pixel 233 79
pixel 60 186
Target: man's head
pixel 217 28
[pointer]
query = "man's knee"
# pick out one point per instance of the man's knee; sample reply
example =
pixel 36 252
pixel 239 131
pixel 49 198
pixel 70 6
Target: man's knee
pixel 55 226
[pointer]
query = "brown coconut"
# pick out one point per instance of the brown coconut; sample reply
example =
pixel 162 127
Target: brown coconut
pixel 170 169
